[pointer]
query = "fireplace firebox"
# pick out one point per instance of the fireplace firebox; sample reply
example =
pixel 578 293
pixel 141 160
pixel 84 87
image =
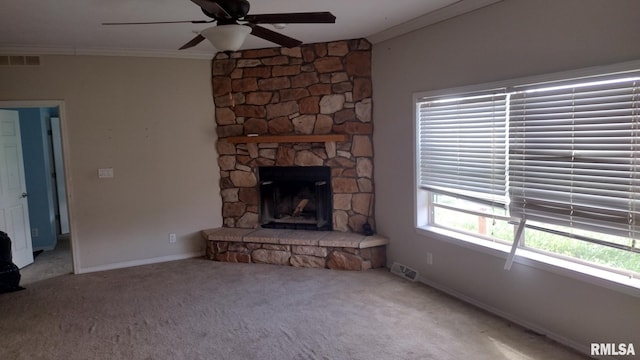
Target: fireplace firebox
pixel 295 197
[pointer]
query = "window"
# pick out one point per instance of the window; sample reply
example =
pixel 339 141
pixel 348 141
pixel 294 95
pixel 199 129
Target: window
pixel 559 156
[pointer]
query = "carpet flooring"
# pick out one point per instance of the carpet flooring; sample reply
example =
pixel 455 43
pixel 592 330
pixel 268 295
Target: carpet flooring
pixel 200 309
pixel 49 264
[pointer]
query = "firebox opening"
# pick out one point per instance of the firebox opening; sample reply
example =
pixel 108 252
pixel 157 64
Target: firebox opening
pixel 295 197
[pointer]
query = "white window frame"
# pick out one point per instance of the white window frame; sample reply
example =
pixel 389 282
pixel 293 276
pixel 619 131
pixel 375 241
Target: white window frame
pixel 576 269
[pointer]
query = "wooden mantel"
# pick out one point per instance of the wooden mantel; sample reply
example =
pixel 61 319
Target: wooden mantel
pixel 287 138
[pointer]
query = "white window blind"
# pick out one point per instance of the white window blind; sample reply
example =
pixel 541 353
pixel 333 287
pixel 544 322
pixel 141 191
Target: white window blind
pixel 462 146
pixel 573 154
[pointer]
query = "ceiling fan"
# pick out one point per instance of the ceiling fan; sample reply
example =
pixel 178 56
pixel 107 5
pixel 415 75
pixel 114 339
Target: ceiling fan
pixel 233 24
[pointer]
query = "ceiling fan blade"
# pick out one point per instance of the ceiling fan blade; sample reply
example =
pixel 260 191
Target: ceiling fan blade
pixel 269 35
pixel 193 42
pixel 159 22
pixel 292 18
pixel 213 8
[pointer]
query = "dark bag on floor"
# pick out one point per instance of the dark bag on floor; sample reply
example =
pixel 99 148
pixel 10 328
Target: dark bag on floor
pixel 9 272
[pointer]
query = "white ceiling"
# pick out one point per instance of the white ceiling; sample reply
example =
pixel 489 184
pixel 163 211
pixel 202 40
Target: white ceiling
pixel 74 26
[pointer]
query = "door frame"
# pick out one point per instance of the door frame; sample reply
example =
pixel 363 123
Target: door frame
pixel 68 180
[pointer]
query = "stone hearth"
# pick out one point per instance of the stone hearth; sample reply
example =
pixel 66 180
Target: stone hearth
pixel 315 89
pixel 317 249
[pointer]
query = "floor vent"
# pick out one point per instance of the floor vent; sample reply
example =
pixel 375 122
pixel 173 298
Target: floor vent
pixel 19 60
pixel 404 271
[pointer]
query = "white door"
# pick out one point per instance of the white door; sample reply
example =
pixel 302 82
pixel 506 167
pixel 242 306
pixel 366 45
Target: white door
pixel 59 168
pixel 14 213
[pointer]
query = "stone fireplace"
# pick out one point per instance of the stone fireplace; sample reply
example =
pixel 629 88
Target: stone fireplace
pixel 306 107
pixel 295 154
pixel 295 197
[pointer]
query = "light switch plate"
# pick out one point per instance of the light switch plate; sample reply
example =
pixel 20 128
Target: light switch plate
pixel 104 173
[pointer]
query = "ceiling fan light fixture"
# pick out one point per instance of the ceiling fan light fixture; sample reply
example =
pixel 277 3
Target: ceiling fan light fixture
pixel 228 37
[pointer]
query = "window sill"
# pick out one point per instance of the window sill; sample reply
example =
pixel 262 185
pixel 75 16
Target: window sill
pixel 577 271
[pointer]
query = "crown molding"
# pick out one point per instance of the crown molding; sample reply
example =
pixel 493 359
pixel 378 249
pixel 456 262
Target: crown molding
pixel 434 17
pixel 36 50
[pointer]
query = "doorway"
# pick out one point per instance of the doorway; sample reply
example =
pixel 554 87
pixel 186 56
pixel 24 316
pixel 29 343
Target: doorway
pixel 41 125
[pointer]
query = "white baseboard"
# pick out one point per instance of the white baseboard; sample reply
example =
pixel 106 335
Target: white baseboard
pixel 132 263
pixel 579 347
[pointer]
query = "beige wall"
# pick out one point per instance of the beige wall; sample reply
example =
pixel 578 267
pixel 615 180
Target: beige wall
pixel 150 119
pixel 511 39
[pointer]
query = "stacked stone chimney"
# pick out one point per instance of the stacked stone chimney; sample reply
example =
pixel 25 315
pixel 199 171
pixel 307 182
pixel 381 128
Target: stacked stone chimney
pixel 314 89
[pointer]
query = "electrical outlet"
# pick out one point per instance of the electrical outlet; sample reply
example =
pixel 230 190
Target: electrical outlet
pixel 429 258
pixel 172 238
pixel 35 232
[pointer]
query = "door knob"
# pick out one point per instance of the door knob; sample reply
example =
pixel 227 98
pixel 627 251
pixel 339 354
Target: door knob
pixel 24 195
